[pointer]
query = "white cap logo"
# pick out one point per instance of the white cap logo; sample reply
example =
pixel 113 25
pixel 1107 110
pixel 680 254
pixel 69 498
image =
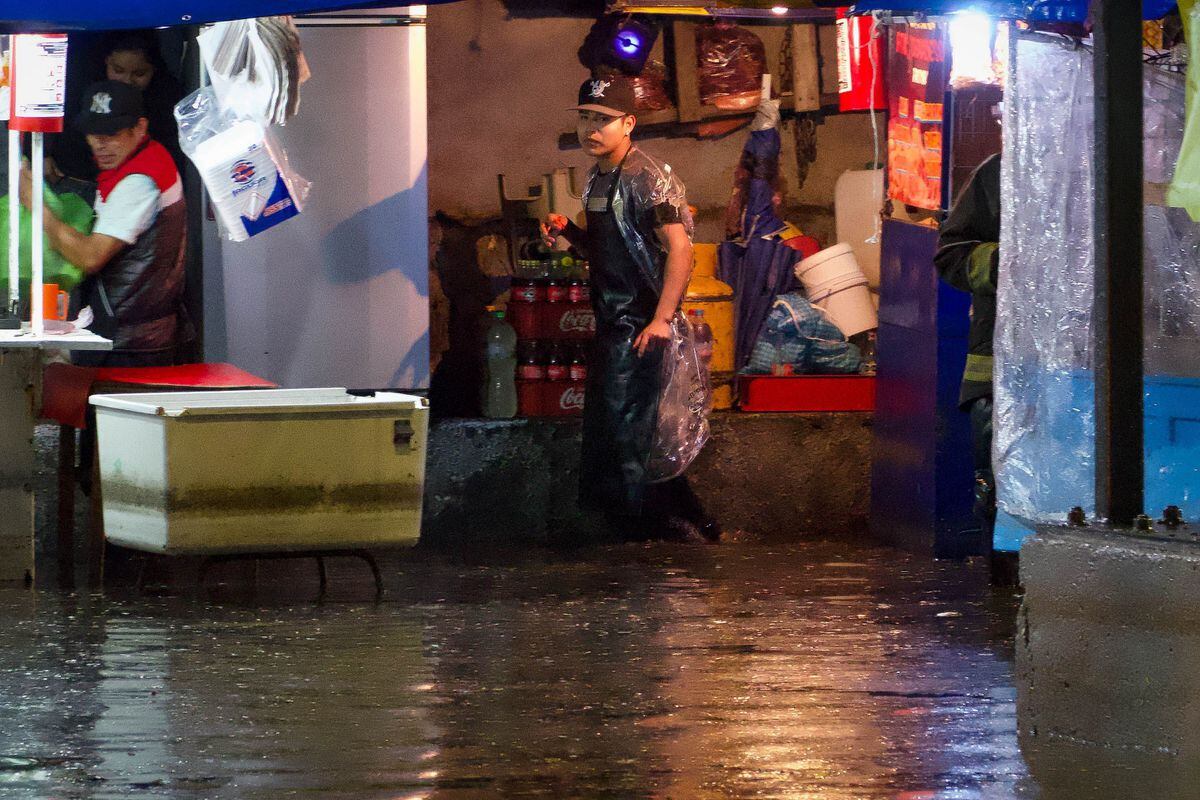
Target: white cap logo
pixel 102 103
pixel 598 88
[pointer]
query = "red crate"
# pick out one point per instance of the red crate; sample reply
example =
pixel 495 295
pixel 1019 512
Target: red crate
pixel 549 398
pixel 552 320
pixel 806 392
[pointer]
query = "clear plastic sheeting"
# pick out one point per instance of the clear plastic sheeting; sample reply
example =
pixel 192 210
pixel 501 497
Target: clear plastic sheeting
pixel 683 407
pixel 1044 446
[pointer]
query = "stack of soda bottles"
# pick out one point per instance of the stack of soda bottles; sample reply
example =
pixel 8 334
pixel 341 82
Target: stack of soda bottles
pixel 551 311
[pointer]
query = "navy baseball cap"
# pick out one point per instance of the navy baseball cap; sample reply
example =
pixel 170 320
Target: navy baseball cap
pixel 108 107
pixel 613 96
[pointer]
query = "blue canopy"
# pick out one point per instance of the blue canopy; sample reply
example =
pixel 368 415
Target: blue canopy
pixel 1031 10
pixel 68 16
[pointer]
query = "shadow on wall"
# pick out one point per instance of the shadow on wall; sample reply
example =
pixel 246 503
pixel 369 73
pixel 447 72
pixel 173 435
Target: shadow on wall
pixel 454 388
pixel 375 240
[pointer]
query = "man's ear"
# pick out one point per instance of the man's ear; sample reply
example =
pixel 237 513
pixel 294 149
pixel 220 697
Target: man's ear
pixel 630 122
pixel 142 127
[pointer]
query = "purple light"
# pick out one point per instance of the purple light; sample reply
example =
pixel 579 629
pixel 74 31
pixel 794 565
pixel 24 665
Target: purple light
pixel 628 43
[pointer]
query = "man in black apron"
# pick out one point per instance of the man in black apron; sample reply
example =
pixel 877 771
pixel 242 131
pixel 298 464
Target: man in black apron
pixel 638 243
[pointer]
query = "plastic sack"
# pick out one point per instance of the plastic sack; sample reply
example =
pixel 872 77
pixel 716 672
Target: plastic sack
pixel 731 61
pixel 247 175
pixel 68 207
pixel 649 86
pixel 256 67
pixel 1185 185
pixel 683 407
pixel 800 335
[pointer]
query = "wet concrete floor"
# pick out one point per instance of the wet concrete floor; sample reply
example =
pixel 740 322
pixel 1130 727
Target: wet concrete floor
pixel 641 671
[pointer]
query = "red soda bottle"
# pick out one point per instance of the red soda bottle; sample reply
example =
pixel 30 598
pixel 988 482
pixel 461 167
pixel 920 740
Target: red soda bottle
pixel 579 368
pixel 556 365
pixel 529 365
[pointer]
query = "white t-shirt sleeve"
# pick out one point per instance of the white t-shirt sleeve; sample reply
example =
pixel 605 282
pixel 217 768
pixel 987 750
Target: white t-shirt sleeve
pixel 129 210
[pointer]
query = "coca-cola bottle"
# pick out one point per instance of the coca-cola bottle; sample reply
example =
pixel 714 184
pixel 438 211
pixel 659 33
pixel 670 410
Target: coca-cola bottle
pixel 556 287
pixel 578 371
pixel 556 364
pixel 704 336
pixel 524 285
pixel 529 362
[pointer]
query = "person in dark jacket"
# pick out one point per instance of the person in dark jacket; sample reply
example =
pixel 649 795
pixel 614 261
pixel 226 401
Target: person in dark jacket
pixel 133 258
pixel 968 259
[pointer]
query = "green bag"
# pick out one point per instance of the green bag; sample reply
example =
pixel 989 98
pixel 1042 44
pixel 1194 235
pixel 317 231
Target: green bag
pixel 68 207
pixel 1184 191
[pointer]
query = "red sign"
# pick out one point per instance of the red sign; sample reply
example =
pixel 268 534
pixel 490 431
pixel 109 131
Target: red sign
pixel 39 82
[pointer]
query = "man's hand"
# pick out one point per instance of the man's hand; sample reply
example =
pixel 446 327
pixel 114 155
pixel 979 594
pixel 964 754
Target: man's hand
pixel 25 187
pixel 656 334
pixel 552 227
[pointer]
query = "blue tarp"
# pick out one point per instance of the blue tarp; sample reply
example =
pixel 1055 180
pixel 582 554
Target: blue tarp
pixel 1032 10
pixel 68 16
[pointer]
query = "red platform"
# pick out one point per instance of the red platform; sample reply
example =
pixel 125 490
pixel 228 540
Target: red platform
pixel 65 387
pixel 806 392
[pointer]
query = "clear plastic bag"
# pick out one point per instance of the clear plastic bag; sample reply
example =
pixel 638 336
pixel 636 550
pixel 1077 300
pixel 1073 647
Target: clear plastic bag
pixel 731 62
pixel 683 407
pixel 256 67
pixel 246 173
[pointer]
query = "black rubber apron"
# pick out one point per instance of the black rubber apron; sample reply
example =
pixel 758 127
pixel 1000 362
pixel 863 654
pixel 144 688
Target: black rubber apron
pixel 623 389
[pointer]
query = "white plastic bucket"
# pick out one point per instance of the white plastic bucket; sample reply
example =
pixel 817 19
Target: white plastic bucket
pixel 834 283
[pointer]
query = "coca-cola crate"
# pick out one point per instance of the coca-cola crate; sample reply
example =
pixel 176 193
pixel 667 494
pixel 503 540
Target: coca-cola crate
pixel 552 320
pixel 806 392
pixel 549 398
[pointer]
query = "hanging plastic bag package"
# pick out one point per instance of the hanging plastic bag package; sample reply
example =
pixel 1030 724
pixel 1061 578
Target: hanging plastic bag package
pixel 247 175
pixel 1184 191
pixel 683 407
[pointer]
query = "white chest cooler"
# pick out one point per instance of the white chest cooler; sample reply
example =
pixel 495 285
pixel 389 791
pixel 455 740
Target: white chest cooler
pixel 261 471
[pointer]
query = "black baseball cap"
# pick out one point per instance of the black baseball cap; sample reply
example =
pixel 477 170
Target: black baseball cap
pixel 613 96
pixel 108 107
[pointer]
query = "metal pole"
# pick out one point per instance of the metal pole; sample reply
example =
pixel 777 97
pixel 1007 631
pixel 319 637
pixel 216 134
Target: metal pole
pixel 14 221
pixel 1120 460
pixel 35 238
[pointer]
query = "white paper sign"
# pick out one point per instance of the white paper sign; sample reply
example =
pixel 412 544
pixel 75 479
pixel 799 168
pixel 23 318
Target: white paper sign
pixel 41 75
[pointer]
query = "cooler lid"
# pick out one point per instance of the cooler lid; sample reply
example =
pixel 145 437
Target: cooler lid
pixel 257 401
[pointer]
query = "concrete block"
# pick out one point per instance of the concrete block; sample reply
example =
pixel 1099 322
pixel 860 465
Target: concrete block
pixel 1108 645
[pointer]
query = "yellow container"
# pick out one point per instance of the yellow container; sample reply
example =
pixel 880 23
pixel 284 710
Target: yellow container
pixel 715 299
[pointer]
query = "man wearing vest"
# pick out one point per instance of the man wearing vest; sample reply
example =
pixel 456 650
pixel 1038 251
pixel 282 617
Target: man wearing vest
pixel 133 258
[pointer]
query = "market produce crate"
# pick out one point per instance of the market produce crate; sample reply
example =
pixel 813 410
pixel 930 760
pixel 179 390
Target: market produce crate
pixel 806 392
pixel 261 471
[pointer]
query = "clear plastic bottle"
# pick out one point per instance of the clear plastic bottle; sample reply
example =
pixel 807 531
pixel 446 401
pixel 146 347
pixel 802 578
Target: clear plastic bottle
pixel 704 336
pixel 500 367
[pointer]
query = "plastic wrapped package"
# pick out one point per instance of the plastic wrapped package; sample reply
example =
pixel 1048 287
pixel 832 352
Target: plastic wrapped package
pixel 683 407
pixel 1044 446
pixel 256 67
pixel 649 86
pixel 246 173
pixel 731 61
pixel 800 335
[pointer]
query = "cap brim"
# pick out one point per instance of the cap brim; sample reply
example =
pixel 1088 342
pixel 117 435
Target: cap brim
pixel 104 125
pixel 612 112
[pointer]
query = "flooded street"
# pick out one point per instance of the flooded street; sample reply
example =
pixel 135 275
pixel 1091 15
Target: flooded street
pixel 661 671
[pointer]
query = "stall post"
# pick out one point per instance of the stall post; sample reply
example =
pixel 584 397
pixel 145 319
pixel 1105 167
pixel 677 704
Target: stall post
pixel 8 316
pixel 1118 277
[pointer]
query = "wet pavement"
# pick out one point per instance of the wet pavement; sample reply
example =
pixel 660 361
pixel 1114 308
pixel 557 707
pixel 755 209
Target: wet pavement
pixel 658 671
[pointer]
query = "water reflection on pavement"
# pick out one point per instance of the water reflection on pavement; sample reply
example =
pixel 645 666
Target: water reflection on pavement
pixel 662 671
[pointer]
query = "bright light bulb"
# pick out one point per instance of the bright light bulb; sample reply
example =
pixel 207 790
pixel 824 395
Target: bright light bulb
pixel 779 9
pixel 971 43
